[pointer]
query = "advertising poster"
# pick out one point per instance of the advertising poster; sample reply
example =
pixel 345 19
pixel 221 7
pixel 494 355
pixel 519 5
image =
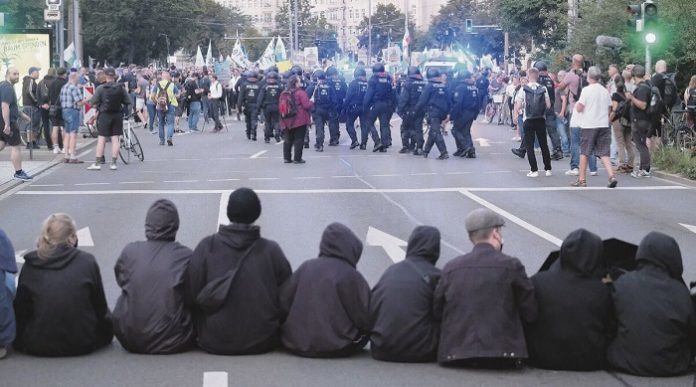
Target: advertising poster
pixel 24 50
pixel 311 57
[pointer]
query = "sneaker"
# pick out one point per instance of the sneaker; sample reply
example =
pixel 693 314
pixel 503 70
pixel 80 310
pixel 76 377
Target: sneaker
pixel 595 173
pixel 113 166
pixel 579 183
pixel 161 142
pixel 518 152
pixel 640 174
pixel 3 352
pixel 549 173
pixel 533 174
pixel 169 142
pixel 612 182
pixel 23 176
pixel 572 172
pixel 443 156
pixel 56 150
pixel 94 167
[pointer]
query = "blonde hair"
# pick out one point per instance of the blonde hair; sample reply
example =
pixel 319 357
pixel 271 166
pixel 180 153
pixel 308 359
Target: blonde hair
pixel 57 230
pixel 692 83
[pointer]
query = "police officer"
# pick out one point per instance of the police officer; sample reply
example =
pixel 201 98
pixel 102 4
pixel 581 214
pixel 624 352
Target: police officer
pixel 412 126
pixel 340 91
pixel 551 129
pixel 465 108
pixel 436 100
pixel 268 102
pixel 323 95
pixel 353 109
pixel 248 99
pixel 379 104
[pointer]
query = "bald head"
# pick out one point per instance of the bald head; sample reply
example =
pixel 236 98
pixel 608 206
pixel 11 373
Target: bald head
pixel 578 61
pixel 12 75
pixel 661 67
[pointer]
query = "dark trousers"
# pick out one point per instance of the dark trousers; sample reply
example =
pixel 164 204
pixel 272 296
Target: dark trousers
pixel 365 128
pixel 639 134
pixel 552 130
pixel 412 129
pixel 461 131
pixel 215 111
pixel 321 118
pixel 435 135
pixel 383 112
pixel 334 131
pixel 350 125
pixel 536 127
pixel 251 117
pixel 272 124
pixel 294 138
pixel 46 124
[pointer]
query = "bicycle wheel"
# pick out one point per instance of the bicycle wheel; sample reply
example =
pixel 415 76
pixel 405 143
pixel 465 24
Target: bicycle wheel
pixel 125 150
pixel 136 148
pixel 490 112
pixel 92 130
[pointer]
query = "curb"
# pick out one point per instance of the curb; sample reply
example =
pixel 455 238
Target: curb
pixel 5 187
pixel 674 178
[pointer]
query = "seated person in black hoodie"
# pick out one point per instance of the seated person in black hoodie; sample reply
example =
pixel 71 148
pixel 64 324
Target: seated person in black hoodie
pixel 60 305
pixel 150 315
pixel 326 300
pixel 404 328
pixel 234 281
pixel 574 325
pixel 656 333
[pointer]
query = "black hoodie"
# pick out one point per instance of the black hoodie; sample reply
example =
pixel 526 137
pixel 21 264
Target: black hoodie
pixel 656 321
pixel 150 315
pixel 249 320
pixel 327 299
pixel 575 320
pixel 404 328
pixel 60 305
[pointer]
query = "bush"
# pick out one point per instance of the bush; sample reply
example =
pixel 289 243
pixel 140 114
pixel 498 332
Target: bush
pixel 674 160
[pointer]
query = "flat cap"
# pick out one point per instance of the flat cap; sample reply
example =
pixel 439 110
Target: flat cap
pixel 483 218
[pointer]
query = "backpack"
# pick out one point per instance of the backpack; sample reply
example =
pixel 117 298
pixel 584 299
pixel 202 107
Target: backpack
pixel 622 112
pixel 112 98
pixel 669 96
pixel 582 83
pixel 287 107
pixel 162 99
pixel 535 102
pixel 691 102
pixel 322 94
pixel 656 105
pixel 547 82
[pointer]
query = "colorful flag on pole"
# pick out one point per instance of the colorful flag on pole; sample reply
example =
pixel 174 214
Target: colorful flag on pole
pixel 280 53
pixel 209 54
pixel 267 59
pixel 406 43
pixel 199 58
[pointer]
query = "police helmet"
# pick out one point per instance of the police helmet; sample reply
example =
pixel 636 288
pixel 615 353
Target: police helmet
pixel 273 68
pixel 246 74
pixel 414 70
pixel 272 75
pixel 319 74
pixel 433 73
pixel 541 66
pixel 253 74
pixel 359 72
pixel 378 68
pixel 331 71
pixel 296 70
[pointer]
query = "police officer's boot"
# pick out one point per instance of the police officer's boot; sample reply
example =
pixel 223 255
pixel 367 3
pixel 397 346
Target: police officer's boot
pixel 378 148
pixel 458 153
pixel 363 146
pixel 418 152
pixel 443 156
pixel 354 144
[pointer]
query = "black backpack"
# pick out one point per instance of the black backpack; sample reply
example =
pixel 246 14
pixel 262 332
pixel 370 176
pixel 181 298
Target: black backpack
pixel 669 97
pixel 112 96
pixel 691 102
pixel 535 102
pixel 322 94
pixel 656 105
pixel 547 82
pixel 622 112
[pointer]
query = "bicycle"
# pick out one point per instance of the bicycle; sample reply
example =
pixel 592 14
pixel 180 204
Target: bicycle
pixel 130 143
pixel 677 132
pixel 493 107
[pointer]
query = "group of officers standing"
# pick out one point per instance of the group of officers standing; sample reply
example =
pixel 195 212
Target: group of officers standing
pixel 434 99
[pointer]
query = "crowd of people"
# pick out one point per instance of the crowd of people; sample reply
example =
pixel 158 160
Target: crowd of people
pixel 235 293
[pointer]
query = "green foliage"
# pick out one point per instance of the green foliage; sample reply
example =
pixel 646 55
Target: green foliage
pixel 24 14
pixel 674 160
pixel 387 22
pixel 545 21
pixel 313 28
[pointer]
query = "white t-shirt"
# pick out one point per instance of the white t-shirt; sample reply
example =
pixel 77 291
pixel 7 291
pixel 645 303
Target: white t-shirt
pixel 510 90
pixel 597 101
pixel 522 99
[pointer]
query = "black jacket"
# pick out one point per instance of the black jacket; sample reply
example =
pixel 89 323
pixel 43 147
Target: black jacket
pixel 482 299
pixel 60 305
pixel 326 299
pixel 29 91
pixel 404 328
pixel 150 315
pixel 575 321
pixel 410 93
pixel 250 318
pixel 379 90
pixel 54 90
pixel 434 100
pixel 656 320
pixel 355 95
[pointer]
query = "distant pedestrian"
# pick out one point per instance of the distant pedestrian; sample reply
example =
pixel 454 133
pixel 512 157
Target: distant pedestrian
pixel 641 122
pixel 30 106
pixel 216 101
pixel 294 127
pixel 534 101
pixel 71 102
pixel 8 121
pixel 54 111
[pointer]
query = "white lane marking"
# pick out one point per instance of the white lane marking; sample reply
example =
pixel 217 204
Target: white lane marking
pixel 343 177
pixel 483 142
pixel 84 237
pixel 137 182
pixel 526 225
pixel 391 244
pixel 19 256
pixel 180 181
pixel 48 185
pixel 222 210
pixel 214 180
pixel 424 174
pixel 82 184
pixel 458 173
pixel 187 159
pixel 490 172
pixel 352 190
pixel 257 154
pixel 215 379
pixel 307 177
pixel 264 178
pixel 689 227
pixel 385 175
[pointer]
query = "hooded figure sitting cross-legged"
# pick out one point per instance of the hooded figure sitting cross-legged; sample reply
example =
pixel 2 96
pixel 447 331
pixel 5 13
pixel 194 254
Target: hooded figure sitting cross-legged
pixel 404 329
pixel 327 299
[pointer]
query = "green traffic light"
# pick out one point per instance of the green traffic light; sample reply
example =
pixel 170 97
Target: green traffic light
pixel 650 38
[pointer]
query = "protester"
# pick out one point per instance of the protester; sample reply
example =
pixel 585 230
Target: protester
pixel 326 300
pixel 8 269
pixel 54 110
pixel 575 320
pixel 43 102
pixel 60 305
pixel 8 121
pixel 215 100
pixel 30 106
pixel 482 299
pixel 534 102
pixel 640 120
pixel 656 319
pixel 71 101
pixel 150 315
pixel 404 328
pixel 621 126
pixel 234 280
pixel 165 93
pixel 295 127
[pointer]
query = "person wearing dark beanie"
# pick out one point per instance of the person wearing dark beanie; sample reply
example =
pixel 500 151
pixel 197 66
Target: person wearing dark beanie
pixel 234 279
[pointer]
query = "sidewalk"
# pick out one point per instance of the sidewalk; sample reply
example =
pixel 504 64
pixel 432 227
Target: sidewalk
pixel 42 160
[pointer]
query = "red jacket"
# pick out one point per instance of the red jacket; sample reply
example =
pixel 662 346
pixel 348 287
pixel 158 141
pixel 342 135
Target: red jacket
pixel 304 105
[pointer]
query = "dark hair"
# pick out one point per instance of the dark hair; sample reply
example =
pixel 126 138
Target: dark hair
pixel 293 81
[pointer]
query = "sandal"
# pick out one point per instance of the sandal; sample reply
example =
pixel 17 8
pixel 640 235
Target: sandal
pixel 579 183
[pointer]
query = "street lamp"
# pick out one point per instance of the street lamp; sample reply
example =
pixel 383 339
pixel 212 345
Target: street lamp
pixel 650 38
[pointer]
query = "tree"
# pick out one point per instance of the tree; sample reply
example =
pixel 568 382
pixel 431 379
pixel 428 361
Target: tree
pixel 24 14
pixel 314 30
pixel 387 26
pixel 545 21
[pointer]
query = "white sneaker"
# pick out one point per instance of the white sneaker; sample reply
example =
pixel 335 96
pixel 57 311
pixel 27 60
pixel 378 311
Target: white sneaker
pixel 595 173
pixel 113 167
pixel 3 353
pixel 56 150
pixel 573 172
pixel 62 151
pixel 94 167
pixel 548 173
pixel 533 174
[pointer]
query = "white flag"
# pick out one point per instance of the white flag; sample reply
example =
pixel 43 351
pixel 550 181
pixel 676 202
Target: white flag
pixel 209 54
pixel 199 58
pixel 69 55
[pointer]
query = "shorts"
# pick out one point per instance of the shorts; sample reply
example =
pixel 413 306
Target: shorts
pixel 13 139
pixel 71 117
pixel 139 104
pixel 57 121
pixel 595 141
pixel 110 124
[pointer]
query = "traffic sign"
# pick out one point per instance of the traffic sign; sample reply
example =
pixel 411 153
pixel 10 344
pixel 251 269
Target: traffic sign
pixel 53 7
pixel 52 15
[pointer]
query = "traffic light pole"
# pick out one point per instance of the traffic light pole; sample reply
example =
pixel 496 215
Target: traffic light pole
pixel 648 60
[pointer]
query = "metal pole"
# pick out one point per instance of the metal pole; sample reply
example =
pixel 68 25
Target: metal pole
pixel 406 55
pixel 291 28
pixel 369 33
pixel 77 31
pixel 61 37
pixel 648 60
pixel 295 26
pixel 507 50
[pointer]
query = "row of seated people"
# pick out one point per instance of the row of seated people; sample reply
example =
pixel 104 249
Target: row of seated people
pixel 236 294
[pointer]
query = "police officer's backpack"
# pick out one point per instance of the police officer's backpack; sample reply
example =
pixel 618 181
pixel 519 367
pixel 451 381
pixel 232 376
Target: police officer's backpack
pixel 321 95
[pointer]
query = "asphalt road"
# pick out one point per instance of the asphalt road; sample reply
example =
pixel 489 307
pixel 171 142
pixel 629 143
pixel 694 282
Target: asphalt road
pixel 382 197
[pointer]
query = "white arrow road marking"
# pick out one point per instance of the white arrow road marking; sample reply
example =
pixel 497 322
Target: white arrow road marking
pixel 257 154
pixel 19 256
pixel 391 244
pixel 84 238
pixel 215 379
pixel 483 142
pixel 689 227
